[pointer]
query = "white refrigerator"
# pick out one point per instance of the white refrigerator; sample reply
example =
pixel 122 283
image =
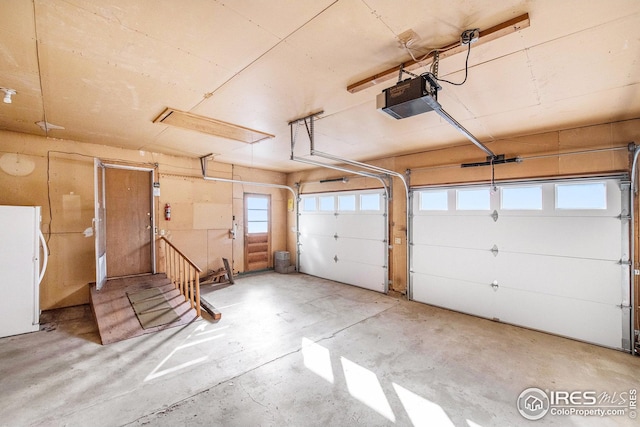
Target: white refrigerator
pixel 22 246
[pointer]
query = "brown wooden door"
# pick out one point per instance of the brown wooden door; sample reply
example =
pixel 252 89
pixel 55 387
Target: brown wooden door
pixel 257 232
pixel 128 217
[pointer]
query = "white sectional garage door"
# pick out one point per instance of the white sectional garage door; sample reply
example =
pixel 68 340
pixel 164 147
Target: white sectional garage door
pixel 343 237
pixel 550 256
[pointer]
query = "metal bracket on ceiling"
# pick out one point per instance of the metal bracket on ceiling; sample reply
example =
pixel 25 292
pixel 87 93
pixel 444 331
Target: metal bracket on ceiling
pixel 203 163
pixel 403 71
pixel 301 119
pixel 310 132
pixel 497 159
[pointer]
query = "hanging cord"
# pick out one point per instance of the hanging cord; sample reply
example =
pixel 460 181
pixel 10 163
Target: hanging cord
pixel 466 70
pixel 467 37
pixel 494 188
pixel 425 56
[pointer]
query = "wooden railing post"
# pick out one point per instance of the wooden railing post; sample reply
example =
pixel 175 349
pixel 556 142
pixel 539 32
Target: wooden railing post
pixel 183 280
pixel 198 293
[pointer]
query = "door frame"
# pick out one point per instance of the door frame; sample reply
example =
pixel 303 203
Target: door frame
pixel 99 223
pixel 246 228
pixel 152 209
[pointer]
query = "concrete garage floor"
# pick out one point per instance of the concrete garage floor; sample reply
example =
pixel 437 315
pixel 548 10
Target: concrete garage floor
pixel 302 351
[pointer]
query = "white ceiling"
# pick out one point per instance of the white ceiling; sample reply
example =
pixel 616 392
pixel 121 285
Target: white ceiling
pixel 105 69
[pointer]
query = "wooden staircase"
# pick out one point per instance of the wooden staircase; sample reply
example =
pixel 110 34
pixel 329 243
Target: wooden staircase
pixel 116 318
pixel 179 285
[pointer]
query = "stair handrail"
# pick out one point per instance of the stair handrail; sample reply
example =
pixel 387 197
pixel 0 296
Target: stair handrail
pixel 183 273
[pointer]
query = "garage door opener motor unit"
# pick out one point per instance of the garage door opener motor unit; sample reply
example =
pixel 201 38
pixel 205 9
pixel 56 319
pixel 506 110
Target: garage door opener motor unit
pixel 410 97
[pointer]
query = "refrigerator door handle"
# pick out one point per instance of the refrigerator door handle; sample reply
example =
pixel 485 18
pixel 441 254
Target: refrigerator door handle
pixel 46 256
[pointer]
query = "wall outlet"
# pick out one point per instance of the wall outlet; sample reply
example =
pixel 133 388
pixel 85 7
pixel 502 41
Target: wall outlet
pixel 397 241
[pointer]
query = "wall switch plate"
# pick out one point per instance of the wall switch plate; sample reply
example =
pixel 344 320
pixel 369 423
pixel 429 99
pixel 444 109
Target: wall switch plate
pixel 397 241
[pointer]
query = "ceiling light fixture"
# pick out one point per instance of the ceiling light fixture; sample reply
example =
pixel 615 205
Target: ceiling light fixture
pixel 8 93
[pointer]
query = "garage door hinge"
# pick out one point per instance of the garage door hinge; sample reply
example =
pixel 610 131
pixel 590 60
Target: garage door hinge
pixel 624 262
pixel 335 258
pixel 624 217
pixel 494 250
pixel 624 306
pixel 494 215
pixel 335 236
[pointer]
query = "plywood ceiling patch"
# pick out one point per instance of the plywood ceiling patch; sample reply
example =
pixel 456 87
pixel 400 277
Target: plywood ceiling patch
pixel 185 120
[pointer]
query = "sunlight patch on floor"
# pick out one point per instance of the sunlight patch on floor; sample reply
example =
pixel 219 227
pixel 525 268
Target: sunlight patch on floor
pixel 158 372
pixel 317 359
pixel 364 386
pixel 422 412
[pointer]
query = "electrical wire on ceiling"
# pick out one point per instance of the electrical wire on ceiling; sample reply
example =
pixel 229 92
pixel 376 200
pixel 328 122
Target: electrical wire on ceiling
pixel 468 37
pixel 466 70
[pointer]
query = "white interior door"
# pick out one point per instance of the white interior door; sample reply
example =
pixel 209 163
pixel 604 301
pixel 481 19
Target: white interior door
pixel 343 237
pixel 99 224
pixel 550 256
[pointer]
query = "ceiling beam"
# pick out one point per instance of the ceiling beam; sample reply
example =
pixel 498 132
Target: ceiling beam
pixel 495 32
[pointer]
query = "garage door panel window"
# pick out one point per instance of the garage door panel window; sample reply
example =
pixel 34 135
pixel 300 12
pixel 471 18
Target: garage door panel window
pixel 347 203
pixel 370 202
pixel 521 198
pixel 327 204
pixel 581 196
pixel 434 200
pixel 478 199
pixel 309 204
